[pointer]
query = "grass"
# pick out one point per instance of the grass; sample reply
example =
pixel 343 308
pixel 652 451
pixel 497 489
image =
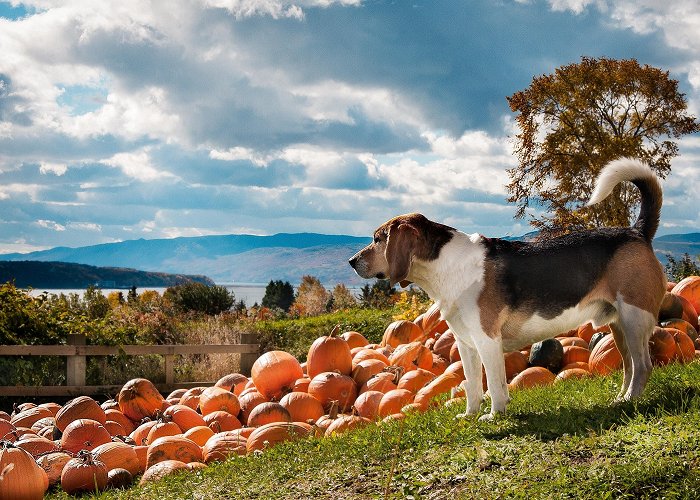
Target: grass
pixel 566 441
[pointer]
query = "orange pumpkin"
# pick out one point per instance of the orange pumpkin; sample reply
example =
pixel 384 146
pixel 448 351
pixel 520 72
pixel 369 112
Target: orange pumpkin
pixel 53 464
pixel 184 416
pixel 440 385
pixel 415 380
pixel 366 369
pixel 30 416
pixel 220 421
pixel 439 365
pixel 689 289
pixel 662 347
pixel 382 382
pixel 685 349
pixel 267 413
pixel 191 397
pixel 354 339
pixel 301 384
pixel 368 353
pixel 411 356
pixel 118 455
pixel 401 332
pixel 223 445
pixel 302 406
pixel 52 407
pixel 161 470
pixel 114 415
pixel 36 445
pixel 139 398
pixel 164 427
pixel 605 357
pixel 25 479
pixel 682 325
pixel 332 386
pixel 140 434
pixel 346 423
pixel 532 377
pixel 248 402
pixel 80 407
pixel 443 344
pixel 393 401
pixel 676 306
pixel 218 399
pixel 328 354
pixel 200 434
pixel 367 404
pixel 234 382
pixel 173 448
pixel 574 354
pixel 431 322
pixel 83 474
pixel 84 434
pixel 274 433
pixel 515 362
pixel 571 373
pixel 583 365
pixel 274 374
pixel 577 341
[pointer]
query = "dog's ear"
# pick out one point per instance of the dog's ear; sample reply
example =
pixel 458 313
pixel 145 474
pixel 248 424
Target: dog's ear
pixel 400 248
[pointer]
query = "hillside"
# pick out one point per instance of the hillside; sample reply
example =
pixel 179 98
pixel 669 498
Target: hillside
pixel 66 275
pixel 259 259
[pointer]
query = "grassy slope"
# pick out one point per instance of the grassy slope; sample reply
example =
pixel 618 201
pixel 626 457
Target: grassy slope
pixel 566 441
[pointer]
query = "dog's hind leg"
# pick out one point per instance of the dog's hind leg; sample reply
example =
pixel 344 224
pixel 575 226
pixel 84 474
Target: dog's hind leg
pixel 632 331
pixel 471 363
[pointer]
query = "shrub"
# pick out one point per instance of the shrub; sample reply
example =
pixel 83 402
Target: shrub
pixel 200 298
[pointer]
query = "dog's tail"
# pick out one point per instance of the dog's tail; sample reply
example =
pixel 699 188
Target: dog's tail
pixel 628 169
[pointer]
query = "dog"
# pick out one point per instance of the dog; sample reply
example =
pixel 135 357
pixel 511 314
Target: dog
pixel 498 295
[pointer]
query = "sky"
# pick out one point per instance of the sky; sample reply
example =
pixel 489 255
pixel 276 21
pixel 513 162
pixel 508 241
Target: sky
pixel 158 119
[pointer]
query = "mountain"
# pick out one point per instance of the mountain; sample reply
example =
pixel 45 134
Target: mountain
pixel 38 274
pixel 259 259
pixel 226 258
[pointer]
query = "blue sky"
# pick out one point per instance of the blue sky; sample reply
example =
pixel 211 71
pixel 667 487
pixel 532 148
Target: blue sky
pixel 135 119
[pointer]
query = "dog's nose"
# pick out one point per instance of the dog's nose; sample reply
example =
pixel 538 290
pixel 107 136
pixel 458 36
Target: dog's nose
pixel 353 261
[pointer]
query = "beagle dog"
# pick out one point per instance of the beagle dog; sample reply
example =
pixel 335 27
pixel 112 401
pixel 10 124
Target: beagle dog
pixel 499 296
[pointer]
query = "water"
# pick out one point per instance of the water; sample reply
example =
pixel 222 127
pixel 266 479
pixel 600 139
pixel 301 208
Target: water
pixel 250 293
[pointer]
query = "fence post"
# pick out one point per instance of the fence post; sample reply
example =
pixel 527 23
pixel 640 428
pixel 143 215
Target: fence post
pixel 75 364
pixel 169 369
pixel 248 358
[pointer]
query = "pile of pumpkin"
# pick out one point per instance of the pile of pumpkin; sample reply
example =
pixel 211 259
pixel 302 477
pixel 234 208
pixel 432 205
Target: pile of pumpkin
pixel 345 383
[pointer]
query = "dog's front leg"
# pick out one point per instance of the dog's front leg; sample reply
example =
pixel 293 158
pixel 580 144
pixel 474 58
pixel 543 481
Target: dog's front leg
pixel 471 363
pixel 491 352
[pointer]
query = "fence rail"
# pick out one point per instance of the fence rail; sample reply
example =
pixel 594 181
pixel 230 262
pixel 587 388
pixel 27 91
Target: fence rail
pixel 76 352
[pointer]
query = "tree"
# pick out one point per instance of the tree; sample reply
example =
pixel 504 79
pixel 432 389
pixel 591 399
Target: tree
pixel 578 119
pixel 198 297
pixel 278 295
pixel 378 296
pixel 312 297
pixel 676 270
pixel 341 298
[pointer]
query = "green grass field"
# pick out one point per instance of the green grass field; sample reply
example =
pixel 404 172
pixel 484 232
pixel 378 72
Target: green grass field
pixel 566 441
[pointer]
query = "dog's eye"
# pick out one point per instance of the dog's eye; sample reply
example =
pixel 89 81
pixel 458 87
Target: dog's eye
pixel 376 239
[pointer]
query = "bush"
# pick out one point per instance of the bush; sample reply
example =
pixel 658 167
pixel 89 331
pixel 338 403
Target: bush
pixel 200 298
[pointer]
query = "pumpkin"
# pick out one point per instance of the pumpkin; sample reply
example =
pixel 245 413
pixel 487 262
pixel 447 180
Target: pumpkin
pixel 267 413
pixel 184 416
pixel 415 380
pixel 20 476
pixel 367 353
pixel 605 357
pixel 515 362
pixel 676 306
pixel 401 332
pixel 571 373
pixel 327 354
pixel 454 353
pixel 302 406
pixel 332 386
pixel 684 347
pixel 682 325
pixel 164 427
pixel 366 369
pixel 77 408
pixel 440 385
pixel 84 434
pixel 234 382
pixel 439 365
pixel 276 432
pixel 118 455
pixel 662 347
pixel 411 356
pixel 548 354
pixel 30 416
pixel 83 474
pixel 119 478
pixel 139 398
pixel 346 423
pixel 382 382
pixel 583 365
pixel 431 322
pixel 140 434
pixel 53 464
pixel 161 470
pixel 248 402
pixel 443 344
pixel 274 374
pixel 301 384
pixel 393 401
pixel 574 354
pixel 577 341
pixel 689 289
pixel 223 445
pixel 200 434
pixel 176 394
pixel 51 406
pixel 220 421
pixel 173 448
pixel 354 339
pixel 191 397
pixel 585 331
pixel 114 415
pixel 218 399
pixel 36 445
pixel 531 377
pixel 367 404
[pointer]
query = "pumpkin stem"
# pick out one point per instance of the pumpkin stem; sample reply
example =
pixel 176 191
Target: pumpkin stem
pixel 333 412
pixel 334 332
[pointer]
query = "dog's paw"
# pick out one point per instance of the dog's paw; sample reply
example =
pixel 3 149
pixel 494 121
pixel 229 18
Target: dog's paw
pixel 467 415
pixel 489 417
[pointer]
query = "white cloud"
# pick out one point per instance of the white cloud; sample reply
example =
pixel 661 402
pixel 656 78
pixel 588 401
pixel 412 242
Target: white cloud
pixel 49 224
pixel 57 169
pixel 138 166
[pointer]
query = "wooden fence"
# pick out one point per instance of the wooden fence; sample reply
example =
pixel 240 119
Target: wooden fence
pixel 76 352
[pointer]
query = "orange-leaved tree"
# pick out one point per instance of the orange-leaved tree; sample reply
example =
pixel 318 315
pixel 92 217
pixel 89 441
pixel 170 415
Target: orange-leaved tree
pixel 574 121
